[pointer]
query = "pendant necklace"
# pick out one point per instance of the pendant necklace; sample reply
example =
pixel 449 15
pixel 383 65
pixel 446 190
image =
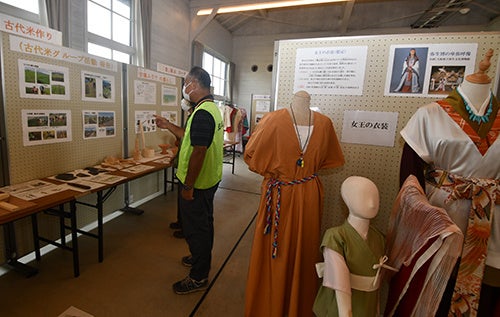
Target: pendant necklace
pixel 300 161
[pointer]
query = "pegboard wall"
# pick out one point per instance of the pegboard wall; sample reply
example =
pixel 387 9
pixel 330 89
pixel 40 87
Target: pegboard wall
pixel 159 136
pixel 137 78
pixel 378 163
pixel 36 161
pixel 28 162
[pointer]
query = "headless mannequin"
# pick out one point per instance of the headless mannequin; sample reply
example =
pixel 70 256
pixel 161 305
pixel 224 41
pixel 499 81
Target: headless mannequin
pixel 360 213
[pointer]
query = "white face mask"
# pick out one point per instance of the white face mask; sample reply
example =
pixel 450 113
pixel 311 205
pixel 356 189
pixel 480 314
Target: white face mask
pixel 185 94
pixel 185 105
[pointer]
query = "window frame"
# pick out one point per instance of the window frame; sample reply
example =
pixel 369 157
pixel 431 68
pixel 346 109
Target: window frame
pixel 226 78
pixel 113 45
pixel 21 13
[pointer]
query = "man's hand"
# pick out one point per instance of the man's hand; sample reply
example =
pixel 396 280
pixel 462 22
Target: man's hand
pixel 187 194
pixel 161 122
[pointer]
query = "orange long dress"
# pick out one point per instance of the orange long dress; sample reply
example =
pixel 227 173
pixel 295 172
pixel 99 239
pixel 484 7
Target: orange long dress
pixel 286 285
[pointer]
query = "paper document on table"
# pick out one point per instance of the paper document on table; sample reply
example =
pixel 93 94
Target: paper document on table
pixel 27 192
pixel 138 169
pixel 107 178
pixel 21 187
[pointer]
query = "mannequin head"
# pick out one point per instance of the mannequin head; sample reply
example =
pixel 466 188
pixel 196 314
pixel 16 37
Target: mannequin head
pixel 300 106
pixel 301 100
pixel 361 196
pixel 476 87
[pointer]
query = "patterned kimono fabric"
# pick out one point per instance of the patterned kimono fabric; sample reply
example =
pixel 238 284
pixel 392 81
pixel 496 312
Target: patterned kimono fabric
pixel 484 195
pixel 424 244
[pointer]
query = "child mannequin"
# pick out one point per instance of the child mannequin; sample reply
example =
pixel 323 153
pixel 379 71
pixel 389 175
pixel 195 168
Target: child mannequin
pixel 350 283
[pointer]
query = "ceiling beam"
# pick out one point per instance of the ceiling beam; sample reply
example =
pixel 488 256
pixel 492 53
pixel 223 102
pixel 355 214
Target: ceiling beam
pixel 236 24
pixel 347 16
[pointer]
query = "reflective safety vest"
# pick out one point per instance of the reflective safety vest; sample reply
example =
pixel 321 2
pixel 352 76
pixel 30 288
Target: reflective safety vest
pixel 211 171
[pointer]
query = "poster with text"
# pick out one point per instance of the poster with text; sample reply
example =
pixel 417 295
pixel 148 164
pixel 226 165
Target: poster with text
pixel 145 120
pixel 46 126
pixel 98 124
pixel 98 87
pixel 144 92
pixel 330 70
pixel 43 81
pixel 427 70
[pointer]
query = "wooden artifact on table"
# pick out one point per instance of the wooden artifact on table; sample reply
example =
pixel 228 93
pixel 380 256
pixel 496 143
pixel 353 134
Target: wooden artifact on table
pixel 137 152
pixel 164 148
pixel 147 152
pixel 6 205
pixel 117 163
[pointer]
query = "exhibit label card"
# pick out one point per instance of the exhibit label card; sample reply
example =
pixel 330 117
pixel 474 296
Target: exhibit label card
pixel 369 127
pixel 31 30
pixel 59 53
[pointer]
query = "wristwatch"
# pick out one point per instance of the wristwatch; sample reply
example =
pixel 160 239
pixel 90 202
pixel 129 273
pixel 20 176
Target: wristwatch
pixel 186 187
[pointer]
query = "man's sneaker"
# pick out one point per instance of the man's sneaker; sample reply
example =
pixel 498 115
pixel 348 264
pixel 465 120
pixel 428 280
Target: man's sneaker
pixel 189 285
pixel 187 260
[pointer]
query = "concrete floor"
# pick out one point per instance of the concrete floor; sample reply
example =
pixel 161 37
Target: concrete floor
pixel 142 261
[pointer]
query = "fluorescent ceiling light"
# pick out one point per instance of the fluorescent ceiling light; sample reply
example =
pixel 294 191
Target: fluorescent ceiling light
pixel 265 5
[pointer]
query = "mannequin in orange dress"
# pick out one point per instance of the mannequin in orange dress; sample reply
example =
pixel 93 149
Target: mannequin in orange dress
pixel 288 147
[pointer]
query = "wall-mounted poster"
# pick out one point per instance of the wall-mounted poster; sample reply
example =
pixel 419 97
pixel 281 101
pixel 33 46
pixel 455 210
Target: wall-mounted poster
pixel 171 116
pixel 46 126
pixel 43 81
pixel 168 95
pixel 262 103
pixel 144 92
pixel 146 120
pixel 98 124
pixel 98 87
pixel 427 70
pixel 330 70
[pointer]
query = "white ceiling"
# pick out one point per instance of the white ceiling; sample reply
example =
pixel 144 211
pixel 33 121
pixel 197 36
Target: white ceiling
pixel 357 16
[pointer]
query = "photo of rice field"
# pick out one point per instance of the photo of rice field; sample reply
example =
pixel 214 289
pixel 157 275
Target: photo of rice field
pixel 106 89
